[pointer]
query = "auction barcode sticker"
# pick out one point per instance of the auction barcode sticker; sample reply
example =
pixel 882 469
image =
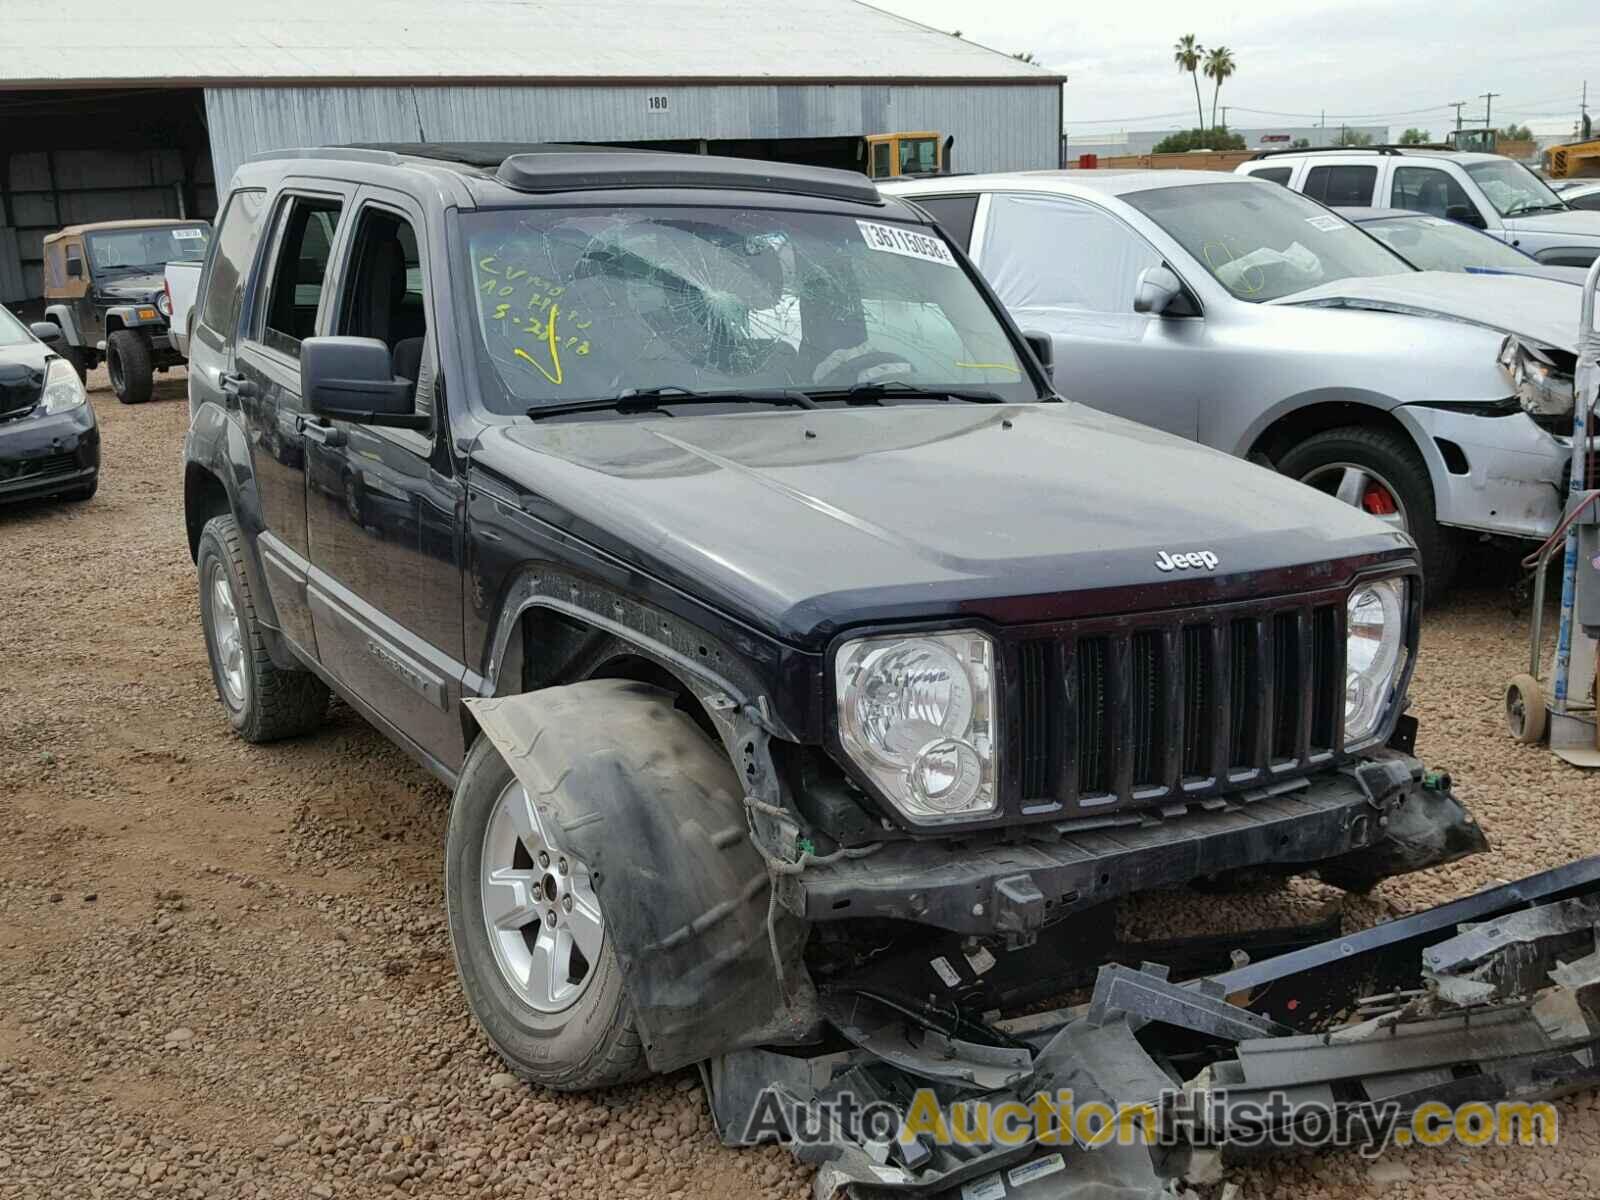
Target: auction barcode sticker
pixel 894 239
pixel 988 1187
pixel 188 233
pixel 1037 1169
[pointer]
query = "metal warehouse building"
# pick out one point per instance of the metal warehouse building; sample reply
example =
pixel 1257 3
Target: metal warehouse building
pixel 112 110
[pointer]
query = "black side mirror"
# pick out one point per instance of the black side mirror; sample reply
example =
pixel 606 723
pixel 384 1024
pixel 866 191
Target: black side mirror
pixel 1467 215
pixel 1044 349
pixel 75 268
pixel 47 332
pixel 352 379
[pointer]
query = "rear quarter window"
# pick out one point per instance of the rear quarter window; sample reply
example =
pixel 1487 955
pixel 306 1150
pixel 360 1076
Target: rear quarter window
pixel 954 214
pixel 222 289
pixel 1273 174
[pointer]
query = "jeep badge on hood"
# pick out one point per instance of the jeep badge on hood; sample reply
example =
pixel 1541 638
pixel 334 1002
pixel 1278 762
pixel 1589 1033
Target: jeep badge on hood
pixel 1185 562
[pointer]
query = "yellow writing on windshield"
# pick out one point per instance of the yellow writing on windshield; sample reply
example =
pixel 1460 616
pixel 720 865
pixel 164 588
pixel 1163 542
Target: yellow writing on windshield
pixel 540 316
pixel 554 350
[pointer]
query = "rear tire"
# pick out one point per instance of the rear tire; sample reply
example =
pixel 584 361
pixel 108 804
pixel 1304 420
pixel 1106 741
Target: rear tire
pixel 1395 461
pixel 128 363
pixel 263 701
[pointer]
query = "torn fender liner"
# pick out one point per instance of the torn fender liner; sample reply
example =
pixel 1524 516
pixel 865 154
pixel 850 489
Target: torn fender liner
pixel 1427 829
pixel 654 808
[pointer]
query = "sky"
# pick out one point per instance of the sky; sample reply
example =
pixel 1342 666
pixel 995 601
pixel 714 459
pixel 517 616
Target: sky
pixel 1349 57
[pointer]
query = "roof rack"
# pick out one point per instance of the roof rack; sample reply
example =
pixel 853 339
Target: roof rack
pixel 568 167
pixel 1384 149
pixel 576 168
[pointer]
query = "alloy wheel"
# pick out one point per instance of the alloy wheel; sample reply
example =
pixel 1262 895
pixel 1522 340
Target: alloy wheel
pixel 540 911
pixel 227 635
pixel 1361 487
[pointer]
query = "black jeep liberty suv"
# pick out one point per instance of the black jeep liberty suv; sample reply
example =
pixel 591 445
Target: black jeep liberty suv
pixel 710 529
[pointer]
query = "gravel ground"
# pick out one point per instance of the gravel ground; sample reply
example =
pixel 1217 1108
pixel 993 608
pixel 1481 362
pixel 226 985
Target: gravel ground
pixel 224 970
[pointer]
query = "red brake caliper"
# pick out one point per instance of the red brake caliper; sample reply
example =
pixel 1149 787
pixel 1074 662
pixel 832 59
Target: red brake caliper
pixel 1377 501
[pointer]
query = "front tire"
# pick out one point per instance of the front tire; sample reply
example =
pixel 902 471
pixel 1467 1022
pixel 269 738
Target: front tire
pixel 557 1018
pixel 129 365
pixel 1382 473
pixel 264 702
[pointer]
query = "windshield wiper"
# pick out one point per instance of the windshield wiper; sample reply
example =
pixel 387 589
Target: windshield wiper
pixel 875 393
pixel 1536 208
pixel 651 399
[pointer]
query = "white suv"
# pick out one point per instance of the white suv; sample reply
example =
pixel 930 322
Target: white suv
pixel 1487 191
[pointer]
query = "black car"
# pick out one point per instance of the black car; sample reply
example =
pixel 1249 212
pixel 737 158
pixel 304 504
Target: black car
pixel 709 528
pixel 49 442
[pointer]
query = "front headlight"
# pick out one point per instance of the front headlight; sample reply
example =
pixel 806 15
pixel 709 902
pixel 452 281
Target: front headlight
pixel 1374 654
pixel 917 715
pixel 164 304
pixel 62 391
pixel 1543 388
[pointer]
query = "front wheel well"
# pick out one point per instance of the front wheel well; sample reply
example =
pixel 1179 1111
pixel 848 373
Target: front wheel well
pixel 204 497
pixel 549 648
pixel 1295 427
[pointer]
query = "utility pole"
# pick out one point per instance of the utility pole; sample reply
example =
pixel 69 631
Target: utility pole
pixel 1224 116
pixel 1488 101
pixel 1458 105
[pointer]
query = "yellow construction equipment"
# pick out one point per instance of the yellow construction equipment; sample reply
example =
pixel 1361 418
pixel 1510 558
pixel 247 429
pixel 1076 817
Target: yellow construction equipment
pixel 890 155
pixel 1575 160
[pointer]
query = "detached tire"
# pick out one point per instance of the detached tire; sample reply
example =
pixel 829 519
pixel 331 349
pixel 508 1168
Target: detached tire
pixel 1393 462
pixel 129 366
pixel 263 701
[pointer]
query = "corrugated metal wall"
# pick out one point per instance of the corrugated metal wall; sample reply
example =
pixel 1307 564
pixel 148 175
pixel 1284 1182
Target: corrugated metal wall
pixel 72 187
pixel 997 127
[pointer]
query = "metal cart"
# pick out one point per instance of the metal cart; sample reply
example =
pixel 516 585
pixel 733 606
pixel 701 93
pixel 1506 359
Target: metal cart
pixel 1568 718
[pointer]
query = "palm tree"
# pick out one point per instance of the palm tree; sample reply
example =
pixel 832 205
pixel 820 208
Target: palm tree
pixel 1219 66
pixel 1186 52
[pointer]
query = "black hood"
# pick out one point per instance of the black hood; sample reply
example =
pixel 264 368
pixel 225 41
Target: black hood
pixel 803 522
pixel 21 377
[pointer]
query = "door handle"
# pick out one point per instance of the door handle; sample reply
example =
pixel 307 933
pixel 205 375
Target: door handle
pixel 236 386
pixel 322 434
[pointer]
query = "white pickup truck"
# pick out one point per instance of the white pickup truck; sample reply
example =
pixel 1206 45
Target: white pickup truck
pixel 183 286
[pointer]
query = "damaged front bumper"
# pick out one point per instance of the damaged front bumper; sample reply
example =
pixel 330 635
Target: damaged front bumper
pixel 1492 998
pixel 1380 816
pixel 1494 470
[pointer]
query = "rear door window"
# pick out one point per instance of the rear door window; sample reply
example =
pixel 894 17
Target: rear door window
pixel 1340 186
pixel 300 272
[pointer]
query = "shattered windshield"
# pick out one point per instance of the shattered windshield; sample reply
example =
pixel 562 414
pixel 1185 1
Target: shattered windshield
pixel 146 249
pixel 1435 244
pixel 588 303
pixel 1263 241
pixel 1513 189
